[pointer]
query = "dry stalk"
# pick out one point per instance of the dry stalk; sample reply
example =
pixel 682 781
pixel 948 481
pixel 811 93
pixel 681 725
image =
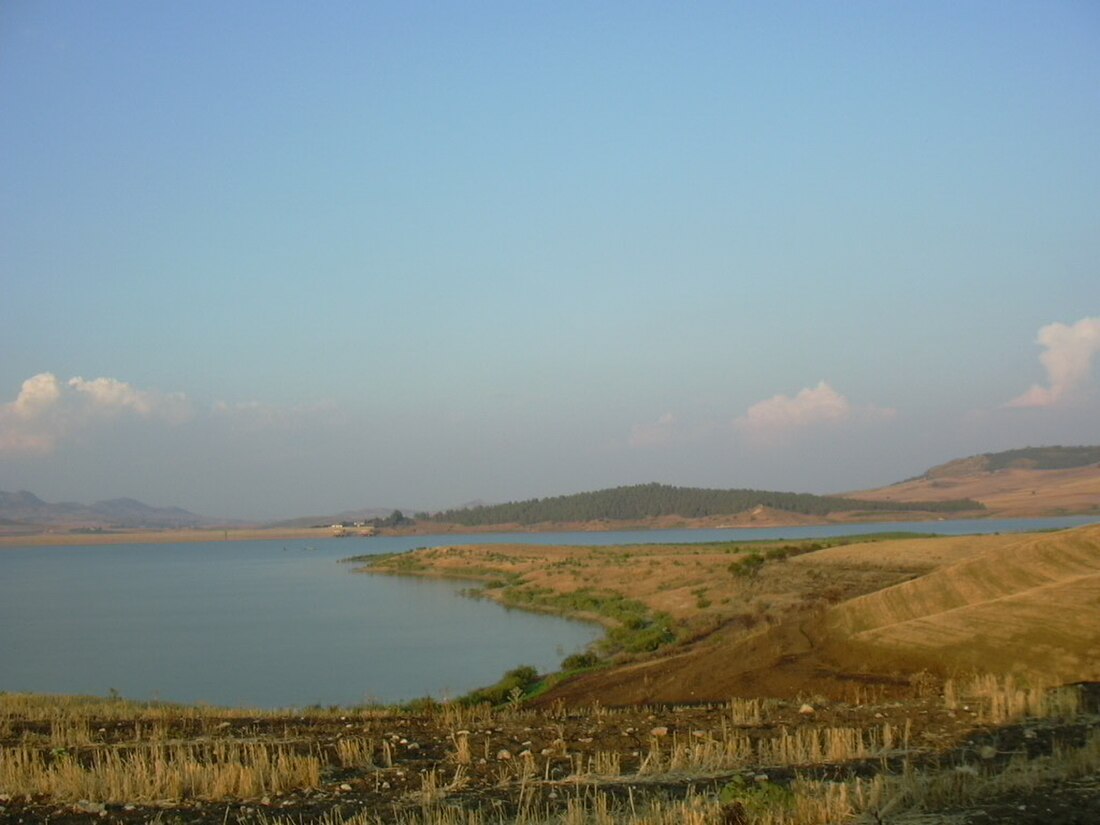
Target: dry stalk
pixel 462 754
pixel 355 752
pixel 746 712
pixel 1001 699
pixel 214 770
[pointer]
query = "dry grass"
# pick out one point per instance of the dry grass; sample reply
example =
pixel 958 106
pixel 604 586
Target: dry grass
pixel 918 555
pixel 73 747
pixel 691 584
pixel 893 797
pixel 215 770
pixel 833 621
pixel 747 711
pixel 557 784
pixel 732 748
pixel 1027 605
pixel 969 784
pixel 355 752
pixel 1006 493
pixel 1001 699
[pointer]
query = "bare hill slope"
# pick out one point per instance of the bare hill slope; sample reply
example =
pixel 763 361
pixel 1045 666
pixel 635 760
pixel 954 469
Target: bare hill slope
pixel 1009 492
pixel 1031 607
pixel 1000 604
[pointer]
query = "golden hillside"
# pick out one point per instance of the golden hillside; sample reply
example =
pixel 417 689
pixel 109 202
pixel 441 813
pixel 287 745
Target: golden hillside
pixel 1031 606
pixel 1027 604
pixel 1010 492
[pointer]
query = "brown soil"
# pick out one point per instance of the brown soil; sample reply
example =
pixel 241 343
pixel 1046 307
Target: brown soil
pixel 554 743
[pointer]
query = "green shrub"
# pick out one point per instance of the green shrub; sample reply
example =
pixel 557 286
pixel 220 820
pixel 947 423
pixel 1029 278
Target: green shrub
pixel 754 797
pixel 521 678
pixel 748 566
pixel 579 661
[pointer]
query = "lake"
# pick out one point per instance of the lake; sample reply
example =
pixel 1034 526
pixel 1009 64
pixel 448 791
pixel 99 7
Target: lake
pixel 278 624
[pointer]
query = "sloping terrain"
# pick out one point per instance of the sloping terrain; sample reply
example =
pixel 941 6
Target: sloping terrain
pixel 1026 458
pixel 1032 607
pixel 1034 481
pixel 1000 604
pixel 1005 493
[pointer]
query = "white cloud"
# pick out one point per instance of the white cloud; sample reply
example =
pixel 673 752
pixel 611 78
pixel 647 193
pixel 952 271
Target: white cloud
pixel 643 436
pixel 30 423
pixel 110 396
pixel 46 411
pixel 1067 360
pixel 782 415
pixel 38 393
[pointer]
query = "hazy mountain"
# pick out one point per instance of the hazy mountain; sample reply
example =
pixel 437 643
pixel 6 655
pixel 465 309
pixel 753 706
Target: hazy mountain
pixel 24 507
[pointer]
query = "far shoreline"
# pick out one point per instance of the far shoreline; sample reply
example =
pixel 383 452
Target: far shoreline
pixel 66 538
pixel 59 537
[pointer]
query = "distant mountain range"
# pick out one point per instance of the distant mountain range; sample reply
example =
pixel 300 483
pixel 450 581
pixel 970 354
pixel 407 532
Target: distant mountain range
pixel 24 508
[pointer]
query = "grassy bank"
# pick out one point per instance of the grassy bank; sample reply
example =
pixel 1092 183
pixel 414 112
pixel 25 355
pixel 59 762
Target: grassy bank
pixel 652 597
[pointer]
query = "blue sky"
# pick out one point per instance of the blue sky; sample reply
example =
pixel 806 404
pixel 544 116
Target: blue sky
pixel 414 254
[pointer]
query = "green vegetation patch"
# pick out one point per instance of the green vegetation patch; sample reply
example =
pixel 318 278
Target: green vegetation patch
pixel 741 796
pixel 397 562
pixel 751 563
pixel 1044 458
pixel 638 629
pixel 515 685
pixel 748 566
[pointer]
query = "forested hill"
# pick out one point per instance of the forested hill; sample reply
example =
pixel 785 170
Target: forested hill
pixel 642 501
pixel 1025 458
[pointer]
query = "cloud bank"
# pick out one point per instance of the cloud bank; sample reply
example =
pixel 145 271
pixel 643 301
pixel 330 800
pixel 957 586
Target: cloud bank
pixel 781 416
pixel 47 411
pixel 1067 360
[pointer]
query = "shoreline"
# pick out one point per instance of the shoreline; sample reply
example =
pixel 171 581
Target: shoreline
pixel 59 537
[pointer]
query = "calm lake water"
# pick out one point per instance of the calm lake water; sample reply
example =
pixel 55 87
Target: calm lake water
pixel 275 624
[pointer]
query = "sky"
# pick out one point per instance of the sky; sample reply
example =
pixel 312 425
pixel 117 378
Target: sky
pixel 266 259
